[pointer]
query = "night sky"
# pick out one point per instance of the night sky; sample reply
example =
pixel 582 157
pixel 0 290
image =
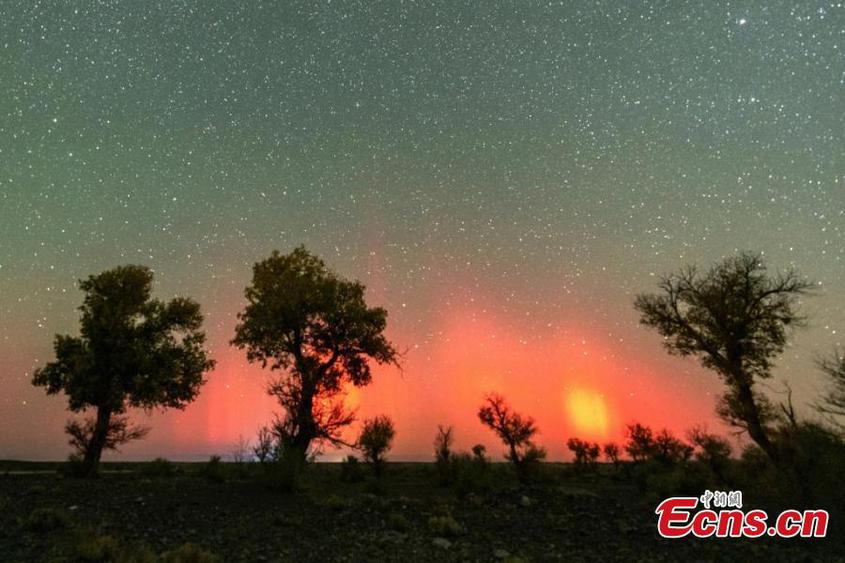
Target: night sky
pixel 503 179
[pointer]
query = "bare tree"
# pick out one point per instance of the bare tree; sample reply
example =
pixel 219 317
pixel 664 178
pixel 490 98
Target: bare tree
pixel 833 403
pixel 515 430
pixel 734 319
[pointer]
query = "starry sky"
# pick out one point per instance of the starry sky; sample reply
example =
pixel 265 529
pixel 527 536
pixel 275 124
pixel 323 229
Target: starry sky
pixel 504 178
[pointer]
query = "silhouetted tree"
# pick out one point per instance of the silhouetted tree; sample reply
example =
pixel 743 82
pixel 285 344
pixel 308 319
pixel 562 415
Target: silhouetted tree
pixel 734 319
pixel 711 450
pixel 443 452
pixel 586 453
pixel 375 440
pixel 833 402
pixel 669 450
pixel 611 453
pixel 514 430
pixel 133 351
pixel 316 328
pixel 640 445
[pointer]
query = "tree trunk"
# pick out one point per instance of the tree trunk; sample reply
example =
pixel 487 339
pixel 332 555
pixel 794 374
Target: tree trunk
pixel 751 415
pixel 306 427
pixel 97 442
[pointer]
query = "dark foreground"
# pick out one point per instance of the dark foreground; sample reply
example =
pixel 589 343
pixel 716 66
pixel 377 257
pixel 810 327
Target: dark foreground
pixel 147 512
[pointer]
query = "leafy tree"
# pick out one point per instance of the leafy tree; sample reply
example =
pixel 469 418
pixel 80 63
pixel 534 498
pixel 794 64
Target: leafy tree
pixel 133 351
pixel 611 453
pixel 586 453
pixel 514 430
pixel 734 318
pixel 711 450
pixel 640 445
pixel 314 327
pixel 833 403
pixel 376 439
pixel 669 450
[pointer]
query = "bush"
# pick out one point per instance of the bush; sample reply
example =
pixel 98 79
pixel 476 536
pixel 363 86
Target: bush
pixel 397 522
pixel 470 474
pixel 337 503
pixel 443 454
pixel 375 440
pixel 74 467
pixel 712 451
pixel 285 473
pixel 586 453
pixel 640 445
pixel 92 546
pixel 159 467
pixel 189 553
pixel 213 470
pixel 516 432
pixel 670 450
pixel 444 526
pixel 266 447
pixel 644 445
pixel 45 520
pixel 611 453
pixel 350 470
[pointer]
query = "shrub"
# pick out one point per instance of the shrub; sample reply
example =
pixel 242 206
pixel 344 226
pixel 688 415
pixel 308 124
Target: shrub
pixel 159 467
pixel 266 447
pixel 586 453
pixel 92 546
pixel 45 520
pixel 443 453
pixel 444 526
pixel 375 440
pixel 189 553
pixel 712 451
pixel 350 470
pixel 74 467
pixel 285 473
pixel 611 453
pixel 470 474
pixel 479 453
pixel 334 502
pixel 670 450
pixel 517 433
pixel 398 522
pixel 640 445
pixel 665 448
pixel 213 470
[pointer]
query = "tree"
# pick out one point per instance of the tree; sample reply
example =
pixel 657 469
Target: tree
pixel 315 328
pixel 376 439
pixel 833 403
pixel 640 445
pixel 443 454
pixel 734 318
pixel 133 351
pixel 670 450
pixel 586 453
pixel 611 453
pixel 711 450
pixel 514 430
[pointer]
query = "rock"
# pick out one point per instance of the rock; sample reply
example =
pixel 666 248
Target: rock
pixel 441 542
pixel 525 501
